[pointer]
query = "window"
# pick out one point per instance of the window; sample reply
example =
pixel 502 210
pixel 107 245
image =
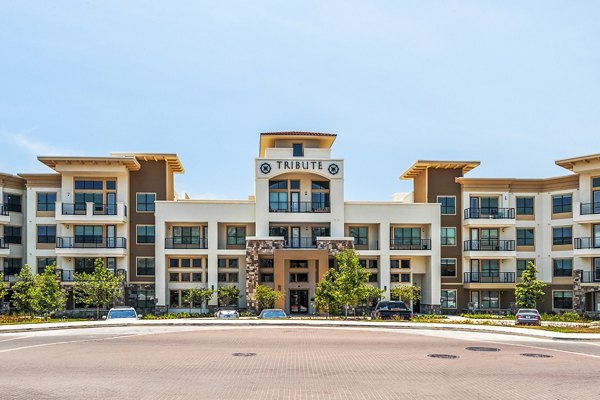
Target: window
pixel 395 278
pixel 489 268
pixel 400 263
pixel 145 202
pixel 394 263
pixel 298 150
pixel 374 277
pixel 319 231
pixel 404 263
pixel 320 194
pixel 88 234
pixel 236 235
pixel 298 277
pixel 145 234
pixel 228 263
pixel 88 184
pixel 298 264
pixel 12 266
pixel 12 234
pixel 407 237
pixel 231 277
pixel 189 235
pixel 562 203
pixel 448 266
pixel 562 235
pixel 490 299
pixel 448 204
pixel 362 263
pixel 563 267
pixel 522 266
pixel 373 263
pixel 596 182
pixel 12 202
pixel 84 265
pixel 145 266
pixel 46 201
pixel 525 236
pixel 46 234
pixel 360 235
pixel 524 205
pixel 267 278
pixel 43 262
pixel 449 299
pixel 266 263
pixel 448 236
pixel 562 299
pixel 404 277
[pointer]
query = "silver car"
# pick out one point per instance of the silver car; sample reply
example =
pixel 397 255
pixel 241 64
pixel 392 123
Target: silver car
pixel 121 313
pixel 529 316
pixel 227 314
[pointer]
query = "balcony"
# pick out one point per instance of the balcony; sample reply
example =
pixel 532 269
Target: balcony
pixel 497 279
pixel 586 246
pixel 4 217
pixel 300 243
pixel 91 246
pixel 410 244
pixel 489 216
pixel 68 275
pixel 299 207
pixel 4 250
pixel 588 213
pixel 489 248
pixel 185 243
pixel 590 277
pixel 91 213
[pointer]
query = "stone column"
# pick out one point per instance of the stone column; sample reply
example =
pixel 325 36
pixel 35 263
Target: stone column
pixel 578 292
pixel 255 248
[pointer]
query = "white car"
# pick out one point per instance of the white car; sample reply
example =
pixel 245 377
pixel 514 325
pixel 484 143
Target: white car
pixel 121 313
pixel 227 314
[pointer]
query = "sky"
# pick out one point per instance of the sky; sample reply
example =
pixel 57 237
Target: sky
pixel 513 84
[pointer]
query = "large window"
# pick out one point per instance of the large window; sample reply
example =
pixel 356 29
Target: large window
pixel 88 234
pixel 562 299
pixel 145 234
pixel 46 234
pixel 448 267
pixel 489 268
pixel 562 235
pixel 320 194
pixel 145 202
pixel 236 235
pixel 46 201
pixel 448 204
pixel 522 266
pixel 525 205
pixel 44 262
pixel 144 266
pixel 407 236
pixel 525 236
pixel 448 236
pixel 360 235
pixel 449 299
pixel 187 234
pixel 278 195
pixel 490 299
pixel 12 202
pixel 563 267
pixel 562 203
pixel 12 234
pixel 12 266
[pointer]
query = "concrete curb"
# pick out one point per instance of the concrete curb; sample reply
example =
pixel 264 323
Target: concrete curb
pixel 320 324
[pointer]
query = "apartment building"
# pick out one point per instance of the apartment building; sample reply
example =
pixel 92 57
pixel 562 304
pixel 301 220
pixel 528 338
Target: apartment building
pixel 464 241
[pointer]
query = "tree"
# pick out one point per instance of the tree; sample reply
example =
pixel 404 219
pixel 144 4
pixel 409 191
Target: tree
pixel 266 297
pixel 530 290
pixel 325 298
pixel 3 290
pixel 198 296
pixel 23 296
pixel 51 297
pixel 101 288
pixel 350 280
pixel 410 293
pixel 228 295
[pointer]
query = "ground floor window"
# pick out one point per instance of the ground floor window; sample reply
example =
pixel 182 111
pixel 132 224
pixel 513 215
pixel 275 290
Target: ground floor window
pixel 400 278
pixel 144 299
pixel 449 299
pixel 231 277
pixel 562 299
pixel 490 299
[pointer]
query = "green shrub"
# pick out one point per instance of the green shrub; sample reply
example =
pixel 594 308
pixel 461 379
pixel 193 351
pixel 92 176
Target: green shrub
pixel 565 317
pixel 486 316
pixel 428 318
pixel 247 314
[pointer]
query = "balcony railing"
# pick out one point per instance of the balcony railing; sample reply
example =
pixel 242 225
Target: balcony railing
pixel 490 213
pixel 587 243
pixel 300 243
pixel 98 209
pixel 489 245
pixel 68 275
pixel 590 208
pixel 186 242
pixel 489 277
pixel 299 207
pixel 3 244
pixel 590 276
pixel 3 210
pixel 410 244
pixel 91 242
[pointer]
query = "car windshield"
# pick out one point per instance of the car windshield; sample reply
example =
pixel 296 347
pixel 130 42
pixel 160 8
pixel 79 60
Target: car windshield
pixel 121 314
pixel 273 314
pixel 388 305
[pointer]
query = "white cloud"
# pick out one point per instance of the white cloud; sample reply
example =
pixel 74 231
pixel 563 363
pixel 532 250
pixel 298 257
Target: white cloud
pixel 24 141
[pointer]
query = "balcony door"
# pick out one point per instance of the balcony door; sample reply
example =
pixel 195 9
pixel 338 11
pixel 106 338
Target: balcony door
pixel 111 236
pixel 596 235
pixel 295 202
pixel 474 239
pixel 295 238
pixel 111 203
pixel 596 271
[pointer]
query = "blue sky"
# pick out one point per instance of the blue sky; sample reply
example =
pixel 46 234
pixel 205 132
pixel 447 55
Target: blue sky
pixel 513 84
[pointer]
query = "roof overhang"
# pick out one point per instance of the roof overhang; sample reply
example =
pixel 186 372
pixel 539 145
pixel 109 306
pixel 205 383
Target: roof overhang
pixel 129 162
pixel 171 159
pixel 570 163
pixel 422 165
pixel 267 139
pixel 566 182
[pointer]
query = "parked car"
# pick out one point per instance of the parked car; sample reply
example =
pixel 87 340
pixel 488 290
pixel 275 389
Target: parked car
pixel 227 314
pixel 390 309
pixel 529 316
pixel 272 313
pixel 125 313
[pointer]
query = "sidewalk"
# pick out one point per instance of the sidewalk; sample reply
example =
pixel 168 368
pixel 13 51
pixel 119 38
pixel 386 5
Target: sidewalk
pixel 306 323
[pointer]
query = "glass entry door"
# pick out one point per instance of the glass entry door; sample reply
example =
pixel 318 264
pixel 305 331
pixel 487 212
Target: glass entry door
pixel 298 301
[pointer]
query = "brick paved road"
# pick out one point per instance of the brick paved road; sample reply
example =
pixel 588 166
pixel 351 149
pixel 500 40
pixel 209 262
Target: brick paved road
pixel 290 363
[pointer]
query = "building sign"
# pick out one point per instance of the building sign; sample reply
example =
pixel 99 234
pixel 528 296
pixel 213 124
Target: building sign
pixel 282 165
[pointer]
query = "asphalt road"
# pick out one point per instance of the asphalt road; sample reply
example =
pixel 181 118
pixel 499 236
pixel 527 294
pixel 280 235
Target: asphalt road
pixel 291 363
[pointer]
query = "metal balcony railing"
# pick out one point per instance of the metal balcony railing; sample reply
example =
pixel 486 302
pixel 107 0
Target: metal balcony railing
pixel 590 276
pixel 97 209
pixel 587 243
pixel 589 208
pixel 489 277
pixel 186 242
pixel 489 245
pixel 300 243
pixel 91 242
pixel 299 207
pixel 410 244
pixel 3 210
pixel 489 213
pixel 3 244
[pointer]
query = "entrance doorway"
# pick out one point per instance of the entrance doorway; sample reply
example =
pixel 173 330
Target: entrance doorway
pixel 298 301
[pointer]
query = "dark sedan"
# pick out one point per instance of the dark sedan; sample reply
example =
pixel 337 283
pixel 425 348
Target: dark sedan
pixel 528 316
